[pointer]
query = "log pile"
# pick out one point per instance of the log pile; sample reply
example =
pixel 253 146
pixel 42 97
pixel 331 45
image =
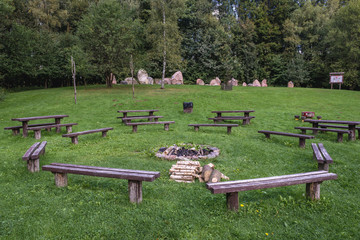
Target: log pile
pixel 188 171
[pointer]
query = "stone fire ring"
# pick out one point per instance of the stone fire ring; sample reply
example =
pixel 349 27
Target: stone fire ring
pixel 213 154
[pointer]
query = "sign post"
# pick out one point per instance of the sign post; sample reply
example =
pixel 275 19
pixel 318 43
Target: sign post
pixel 336 77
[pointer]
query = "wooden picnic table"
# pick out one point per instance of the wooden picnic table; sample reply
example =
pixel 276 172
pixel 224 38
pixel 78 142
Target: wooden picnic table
pixel 25 121
pixel 351 126
pixel 246 115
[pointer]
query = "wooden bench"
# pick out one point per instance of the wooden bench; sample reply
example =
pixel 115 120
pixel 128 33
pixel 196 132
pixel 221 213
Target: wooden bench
pixel 16 129
pixel 339 132
pixel 321 156
pixel 125 112
pixel 134 125
pixel 324 126
pixel 231 188
pixel 37 130
pixel 32 156
pixel 246 120
pixel 74 136
pixel 134 177
pixel 301 137
pixel 229 126
pixel 149 118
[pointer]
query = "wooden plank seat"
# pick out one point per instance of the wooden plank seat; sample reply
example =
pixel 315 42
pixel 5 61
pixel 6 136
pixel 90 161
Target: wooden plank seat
pixel 135 124
pixel 134 177
pixel 16 129
pixel 149 118
pixel 301 137
pixel 37 130
pixel 339 132
pixel 32 156
pixel 229 126
pixel 321 156
pixel 324 126
pixel 246 120
pixel 232 188
pixel 74 136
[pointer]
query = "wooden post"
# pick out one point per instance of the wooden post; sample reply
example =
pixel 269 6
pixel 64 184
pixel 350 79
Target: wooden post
pixel 135 191
pixel 68 129
pixel 166 126
pixel 37 134
pixel 74 140
pixel 104 134
pixel 134 128
pixel 25 130
pixel 61 179
pixel 313 190
pixel 33 165
pixel 196 128
pixel 267 135
pixel 339 137
pixel 323 166
pixel 16 131
pixel 352 135
pixel 156 119
pixel 315 125
pixel 57 121
pixel 232 200
pixel 228 130
pixel 302 142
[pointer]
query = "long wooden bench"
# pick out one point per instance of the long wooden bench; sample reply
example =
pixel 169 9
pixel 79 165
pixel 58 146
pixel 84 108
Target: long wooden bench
pixel 134 125
pixel 301 137
pixel 74 136
pixel 32 156
pixel 339 132
pixel 229 126
pixel 246 120
pixel 134 177
pixel 149 118
pixel 324 126
pixel 37 130
pixel 16 129
pixel 232 188
pixel 321 156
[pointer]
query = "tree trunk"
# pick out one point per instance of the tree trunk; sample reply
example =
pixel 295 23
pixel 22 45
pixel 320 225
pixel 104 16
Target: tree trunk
pixel 164 52
pixel 73 70
pixel 132 75
pixel 206 171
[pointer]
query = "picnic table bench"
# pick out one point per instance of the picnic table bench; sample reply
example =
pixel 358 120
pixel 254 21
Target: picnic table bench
pixel 134 177
pixel 135 124
pixel 74 136
pixel 149 118
pixel 301 137
pixel 25 121
pixel 246 117
pixel 16 129
pixel 37 129
pixel 321 156
pixel 351 125
pixel 325 126
pixel 125 112
pixel 32 156
pixel 229 126
pixel 232 188
pixel 339 132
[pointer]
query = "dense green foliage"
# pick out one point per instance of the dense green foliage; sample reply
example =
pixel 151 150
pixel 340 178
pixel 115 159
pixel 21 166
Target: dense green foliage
pixel 32 207
pixel 281 41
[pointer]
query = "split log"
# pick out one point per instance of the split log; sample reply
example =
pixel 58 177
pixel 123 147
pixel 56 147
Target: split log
pixel 215 176
pixel 184 181
pixel 184 167
pixel 183 173
pixel 191 163
pixel 206 172
pixel 224 177
pixel 179 177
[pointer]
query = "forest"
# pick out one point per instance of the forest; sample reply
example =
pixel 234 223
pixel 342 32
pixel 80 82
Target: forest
pixel 279 40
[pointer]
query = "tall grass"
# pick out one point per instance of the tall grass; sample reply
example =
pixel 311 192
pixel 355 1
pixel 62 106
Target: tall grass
pixel 31 207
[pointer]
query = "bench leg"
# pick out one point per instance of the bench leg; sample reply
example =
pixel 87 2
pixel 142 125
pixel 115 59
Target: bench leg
pixel 15 131
pixel 135 191
pixel 340 137
pixel 313 190
pixel 57 121
pixel 74 140
pixel 232 201
pixel 37 134
pixel 352 134
pixel 156 120
pixel 33 165
pixel 61 179
pixel 303 131
pixel 166 127
pixel 196 128
pixel 25 130
pixel 315 125
pixel 104 134
pixel 134 128
pixel 267 135
pixel 302 142
pixel 245 121
pixel 323 166
pixel 228 130
pixel 68 129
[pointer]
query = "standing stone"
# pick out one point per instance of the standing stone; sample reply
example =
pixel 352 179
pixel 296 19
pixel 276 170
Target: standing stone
pixel 290 84
pixel 150 80
pixel 215 82
pixel 244 84
pixel 200 82
pixel 263 83
pixel 142 76
pixel 177 78
pixel 256 83
pixel 233 82
pixel 128 81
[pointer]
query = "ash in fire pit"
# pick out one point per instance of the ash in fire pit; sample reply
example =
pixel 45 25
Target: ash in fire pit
pixel 188 152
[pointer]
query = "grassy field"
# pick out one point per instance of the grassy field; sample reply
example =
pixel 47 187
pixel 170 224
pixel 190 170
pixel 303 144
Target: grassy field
pixel 32 207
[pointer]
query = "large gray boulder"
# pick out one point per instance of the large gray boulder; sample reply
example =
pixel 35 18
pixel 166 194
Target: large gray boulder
pixel 200 82
pixel 215 82
pixel 142 76
pixel 177 78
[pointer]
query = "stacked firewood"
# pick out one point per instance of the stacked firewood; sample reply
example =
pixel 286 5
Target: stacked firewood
pixel 188 171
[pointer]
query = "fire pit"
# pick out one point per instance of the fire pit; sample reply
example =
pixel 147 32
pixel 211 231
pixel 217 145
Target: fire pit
pixel 187 152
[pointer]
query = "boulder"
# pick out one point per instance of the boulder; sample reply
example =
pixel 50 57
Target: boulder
pixel 233 82
pixel 166 81
pixel 177 78
pixel 128 81
pixel 151 80
pixel 263 83
pixel 215 82
pixel 199 82
pixel 290 84
pixel 123 82
pixel 142 76
pixel 256 83
pixel 244 84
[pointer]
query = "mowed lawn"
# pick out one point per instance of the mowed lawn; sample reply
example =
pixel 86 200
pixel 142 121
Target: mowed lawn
pixel 32 207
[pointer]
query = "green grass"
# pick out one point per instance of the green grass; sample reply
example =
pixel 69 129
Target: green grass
pixel 31 207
